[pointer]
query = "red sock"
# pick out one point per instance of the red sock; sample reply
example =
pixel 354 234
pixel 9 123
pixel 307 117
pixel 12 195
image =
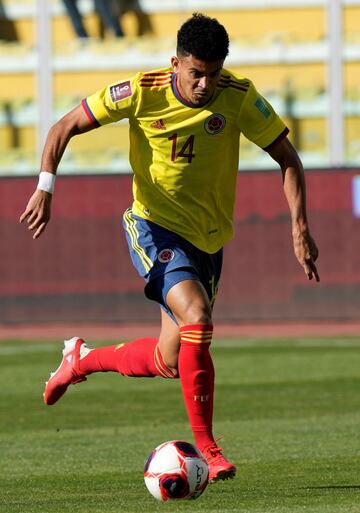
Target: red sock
pixel 197 377
pixel 140 358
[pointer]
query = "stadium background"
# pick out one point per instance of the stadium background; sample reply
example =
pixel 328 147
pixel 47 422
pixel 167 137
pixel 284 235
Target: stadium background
pixel 80 271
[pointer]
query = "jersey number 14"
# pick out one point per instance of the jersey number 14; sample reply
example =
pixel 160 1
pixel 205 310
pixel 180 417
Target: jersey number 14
pixel 186 151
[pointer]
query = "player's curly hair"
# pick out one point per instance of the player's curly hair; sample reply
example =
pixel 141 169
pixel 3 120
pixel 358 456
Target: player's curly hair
pixel 204 38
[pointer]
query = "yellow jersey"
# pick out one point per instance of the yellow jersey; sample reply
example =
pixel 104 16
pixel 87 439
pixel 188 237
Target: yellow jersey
pixel 185 158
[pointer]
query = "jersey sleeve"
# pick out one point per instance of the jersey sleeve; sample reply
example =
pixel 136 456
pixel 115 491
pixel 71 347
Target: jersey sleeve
pixel 259 122
pixel 112 103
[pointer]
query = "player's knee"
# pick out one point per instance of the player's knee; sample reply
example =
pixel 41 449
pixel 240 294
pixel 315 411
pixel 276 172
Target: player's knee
pixel 196 316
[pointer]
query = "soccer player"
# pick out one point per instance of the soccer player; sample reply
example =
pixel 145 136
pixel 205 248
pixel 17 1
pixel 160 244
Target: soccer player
pixel 185 124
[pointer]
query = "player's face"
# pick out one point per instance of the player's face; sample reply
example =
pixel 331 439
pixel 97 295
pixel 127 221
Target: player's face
pixel 196 79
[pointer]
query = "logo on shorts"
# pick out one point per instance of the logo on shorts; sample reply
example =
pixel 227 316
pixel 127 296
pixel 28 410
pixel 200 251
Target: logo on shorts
pixel 215 124
pixel 166 255
pixel 120 91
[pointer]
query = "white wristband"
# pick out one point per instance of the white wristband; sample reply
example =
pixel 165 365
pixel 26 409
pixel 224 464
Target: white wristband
pixel 46 182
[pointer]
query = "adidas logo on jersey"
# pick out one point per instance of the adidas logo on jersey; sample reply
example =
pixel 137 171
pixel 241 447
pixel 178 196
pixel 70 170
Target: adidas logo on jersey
pixel 159 124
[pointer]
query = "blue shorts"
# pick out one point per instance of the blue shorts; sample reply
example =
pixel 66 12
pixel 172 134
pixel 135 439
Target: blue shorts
pixel 164 259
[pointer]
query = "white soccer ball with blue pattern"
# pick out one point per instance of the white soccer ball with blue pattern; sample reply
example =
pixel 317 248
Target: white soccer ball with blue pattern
pixel 176 470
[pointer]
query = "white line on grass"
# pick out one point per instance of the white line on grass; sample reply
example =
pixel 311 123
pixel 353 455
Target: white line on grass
pixel 29 348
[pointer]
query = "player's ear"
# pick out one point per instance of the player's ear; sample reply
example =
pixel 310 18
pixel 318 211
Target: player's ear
pixel 175 63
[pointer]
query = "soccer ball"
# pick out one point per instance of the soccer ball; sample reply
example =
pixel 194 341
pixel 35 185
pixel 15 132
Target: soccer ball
pixel 176 470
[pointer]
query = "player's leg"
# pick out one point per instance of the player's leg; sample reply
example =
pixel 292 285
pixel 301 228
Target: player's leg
pixel 139 358
pixel 104 8
pixel 75 17
pixel 143 357
pixel 169 341
pixel 191 306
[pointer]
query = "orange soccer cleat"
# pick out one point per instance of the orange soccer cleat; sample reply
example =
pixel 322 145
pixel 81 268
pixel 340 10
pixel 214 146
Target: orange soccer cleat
pixel 68 371
pixel 219 467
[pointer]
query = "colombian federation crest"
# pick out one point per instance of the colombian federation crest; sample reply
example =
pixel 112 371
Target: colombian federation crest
pixel 166 255
pixel 214 124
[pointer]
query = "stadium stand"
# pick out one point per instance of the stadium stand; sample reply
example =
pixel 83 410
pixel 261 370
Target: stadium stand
pixel 281 45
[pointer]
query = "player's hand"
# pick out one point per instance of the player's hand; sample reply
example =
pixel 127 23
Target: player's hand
pixel 37 212
pixel 306 252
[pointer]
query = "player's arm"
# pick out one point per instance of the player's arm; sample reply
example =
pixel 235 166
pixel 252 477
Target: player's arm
pixel 305 248
pixel 38 209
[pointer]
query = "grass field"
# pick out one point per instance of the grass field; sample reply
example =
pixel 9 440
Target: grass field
pixel 289 410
